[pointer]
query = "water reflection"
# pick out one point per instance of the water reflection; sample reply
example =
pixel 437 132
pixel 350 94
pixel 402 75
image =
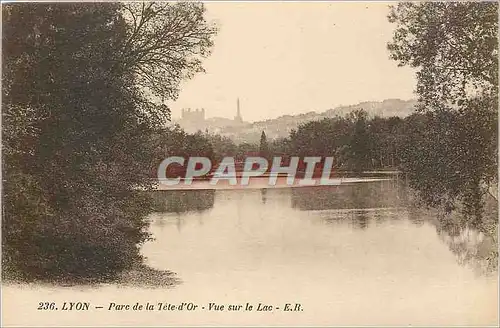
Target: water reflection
pixel 473 244
pixel 339 251
pixel 471 247
pixel 263 193
pixel 361 221
pixel 179 201
pixel 360 206
pixel 381 194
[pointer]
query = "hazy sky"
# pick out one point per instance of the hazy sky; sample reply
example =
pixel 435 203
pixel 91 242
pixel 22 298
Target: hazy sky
pixel 291 58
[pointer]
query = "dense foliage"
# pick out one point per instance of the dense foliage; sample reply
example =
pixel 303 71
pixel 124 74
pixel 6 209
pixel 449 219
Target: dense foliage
pixel 78 129
pixel 451 155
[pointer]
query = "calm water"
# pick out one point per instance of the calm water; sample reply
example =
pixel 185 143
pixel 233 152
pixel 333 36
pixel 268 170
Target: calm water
pixel 349 254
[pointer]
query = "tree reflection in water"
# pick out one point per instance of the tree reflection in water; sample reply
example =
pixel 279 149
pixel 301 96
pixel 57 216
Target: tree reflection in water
pixel 263 194
pixel 369 195
pixel 180 201
pixel 359 204
pixel 473 243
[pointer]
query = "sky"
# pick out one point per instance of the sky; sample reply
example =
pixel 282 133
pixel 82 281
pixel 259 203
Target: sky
pixel 284 58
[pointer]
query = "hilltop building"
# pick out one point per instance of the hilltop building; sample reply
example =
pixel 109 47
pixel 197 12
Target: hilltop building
pixel 194 116
pixel 193 120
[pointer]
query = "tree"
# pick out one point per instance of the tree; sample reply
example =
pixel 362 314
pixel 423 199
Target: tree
pixel 246 148
pixel 263 146
pixel 326 137
pixel 385 141
pixel 280 147
pixel 165 45
pixel 315 138
pixel 359 145
pixel 454 46
pixel 222 146
pixel 78 133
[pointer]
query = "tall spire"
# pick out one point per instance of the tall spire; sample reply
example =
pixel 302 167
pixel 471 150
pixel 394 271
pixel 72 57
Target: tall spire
pixel 238 113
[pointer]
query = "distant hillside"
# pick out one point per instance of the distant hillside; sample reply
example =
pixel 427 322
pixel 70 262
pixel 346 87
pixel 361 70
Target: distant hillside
pixel 386 108
pixel 281 126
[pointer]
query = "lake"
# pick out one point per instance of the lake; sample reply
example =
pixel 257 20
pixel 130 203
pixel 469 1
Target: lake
pixel 354 254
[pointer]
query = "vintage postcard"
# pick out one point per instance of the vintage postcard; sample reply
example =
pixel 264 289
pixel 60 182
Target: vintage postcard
pixel 240 163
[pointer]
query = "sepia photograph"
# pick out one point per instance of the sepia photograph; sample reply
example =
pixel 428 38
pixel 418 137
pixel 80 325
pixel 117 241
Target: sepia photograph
pixel 249 163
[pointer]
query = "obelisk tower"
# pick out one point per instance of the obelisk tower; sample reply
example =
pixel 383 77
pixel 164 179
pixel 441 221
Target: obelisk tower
pixel 238 118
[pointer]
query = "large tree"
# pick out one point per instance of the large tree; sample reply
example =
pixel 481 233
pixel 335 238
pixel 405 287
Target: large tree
pixel 452 154
pixel 453 46
pixel 359 149
pixel 263 146
pixel 78 128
